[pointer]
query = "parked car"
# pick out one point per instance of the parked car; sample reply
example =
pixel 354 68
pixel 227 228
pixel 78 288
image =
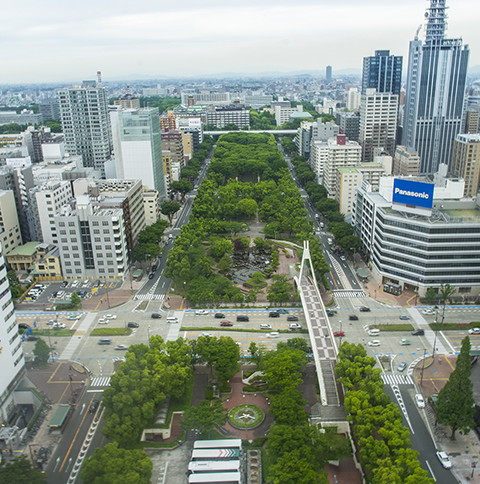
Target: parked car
pixel 156 316
pixel 219 315
pixel 374 342
pixel 402 366
pixel 353 317
pixel 444 459
pixel 121 347
pixel 64 284
pixel 273 314
pixel 226 323
pixel 420 400
pixel 418 332
pixel 343 258
pixel 339 333
pixel 201 312
pixel 404 317
pixel 132 324
pixel 292 318
pixel 474 331
pixel 365 309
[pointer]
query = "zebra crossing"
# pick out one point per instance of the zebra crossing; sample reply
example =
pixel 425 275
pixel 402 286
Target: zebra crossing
pixel 349 293
pixel 149 297
pixel 101 381
pixel 397 379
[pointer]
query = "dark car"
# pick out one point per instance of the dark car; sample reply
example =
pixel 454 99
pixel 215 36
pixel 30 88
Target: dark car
pixel 131 324
pixel 292 318
pixel 93 406
pixel 242 317
pixel 156 315
pixel 353 317
pixel 55 294
pixel 154 267
pixel 23 326
pixel 273 314
pixel 151 275
pixel 219 315
pixel 64 283
pixel 331 312
pixel 365 309
pixel 418 332
pixel 282 311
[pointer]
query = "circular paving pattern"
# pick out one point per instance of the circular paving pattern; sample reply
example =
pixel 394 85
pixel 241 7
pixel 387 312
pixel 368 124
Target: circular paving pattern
pixel 246 416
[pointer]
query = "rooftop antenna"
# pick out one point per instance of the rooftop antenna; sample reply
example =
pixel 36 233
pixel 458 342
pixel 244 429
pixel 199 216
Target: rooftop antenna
pixel 99 78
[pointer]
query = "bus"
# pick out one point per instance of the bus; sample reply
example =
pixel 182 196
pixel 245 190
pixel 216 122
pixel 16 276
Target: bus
pixel 214 466
pixel 217 478
pixel 215 454
pixel 218 444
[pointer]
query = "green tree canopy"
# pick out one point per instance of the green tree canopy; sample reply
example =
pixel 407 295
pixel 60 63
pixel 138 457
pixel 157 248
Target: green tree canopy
pixel 41 352
pixel 206 417
pixel 169 209
pixel 20 471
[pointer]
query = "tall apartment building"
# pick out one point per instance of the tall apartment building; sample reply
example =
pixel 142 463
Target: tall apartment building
pixel 137 141
pixel 151 206
pixel 45 203
pixel 349 124
pixel 50 109
pixel 92 241
pixel 328 74
pixel 382 72
pixel 466 162
pixel 221 116
pixel 314 131
pixel 33 141
pixel 126 195
pixel 168 121
pixel 11 356
pixel 172 142
pixel 10 234
pixel 472 124
pixel 434 101
pixel 406 162
pixel 86 123
pixel 353 99
pixel 378 123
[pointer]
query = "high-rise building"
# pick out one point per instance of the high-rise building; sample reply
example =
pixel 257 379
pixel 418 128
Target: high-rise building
pixel 406 162
pixel 434 101
pixel 349 124
pixel 86 123
pixel 466 162
pixel 137 143
pixel 328 74
pixel 378 123
pixel 382 72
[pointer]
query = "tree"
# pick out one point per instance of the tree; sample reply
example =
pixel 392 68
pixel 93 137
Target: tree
pixel 75 300
pixel 205 418
pixel 41 352
pixel 280 290
pixel 181 186
pixel 16 287
pixel 169 209
pixel 455 405
pixel 20 471
pixel 430 295
pixel 112 464
pixel 446 290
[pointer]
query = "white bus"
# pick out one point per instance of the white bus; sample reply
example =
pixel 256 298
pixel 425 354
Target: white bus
pixel 215 454
pixel 218 444
pixel 214 466
pixel 217 478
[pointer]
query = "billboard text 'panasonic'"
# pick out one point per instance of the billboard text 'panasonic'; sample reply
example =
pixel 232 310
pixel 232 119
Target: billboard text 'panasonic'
pixel 413 193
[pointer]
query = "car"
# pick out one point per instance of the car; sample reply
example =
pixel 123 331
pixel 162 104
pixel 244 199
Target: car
pixel 103 321
pixel 474 331
pixel 353 317
pixel 273 314
pixel 74 316
pixel 226 323
pixel 32 337
pixel 420 400
pixel 273 334
pixel 402 366
pixel 428 311
pixel 292 318
pixel 132 324
pixel 219 315
pixel 374 342
pixel 294 326
pixel 339 333
pixel 23 325
pixel 201 312
pixel 58 325
pixel 64 284
pixel 331 312
pixel 404 317
pixel 365 309
pixel 85 283
pixel 151 275
pixel 96 283
pixel 121 347
pixel 110 316
pixel 343 258
pixel 444 459
pixel 210 335
pixel 82 294
pixel 265 326
pixel 52 321
pixel 405 342
pixel 75 283
pixel 418 332
pixel 242 317
pixel 54 294
pixel 156 316
pixel 282 311
pixel 93 406
pixel 154 267
pixel 104 341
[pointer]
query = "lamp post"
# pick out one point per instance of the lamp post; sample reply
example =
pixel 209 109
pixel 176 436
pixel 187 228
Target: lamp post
pixel 436 332
pixel 423 366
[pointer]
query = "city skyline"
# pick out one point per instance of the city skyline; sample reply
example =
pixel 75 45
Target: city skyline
pixel 68 43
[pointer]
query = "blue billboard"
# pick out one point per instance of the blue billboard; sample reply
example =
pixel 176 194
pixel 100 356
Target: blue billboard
pixel 413 193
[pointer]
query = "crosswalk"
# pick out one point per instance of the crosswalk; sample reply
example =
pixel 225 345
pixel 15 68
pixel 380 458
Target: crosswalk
pixel 100 381
pixel 397 379
pixel 149 297
pixel 349 293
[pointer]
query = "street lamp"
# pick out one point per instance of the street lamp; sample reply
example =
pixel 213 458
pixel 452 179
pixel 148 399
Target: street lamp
pixel 436 332
pixel 423 366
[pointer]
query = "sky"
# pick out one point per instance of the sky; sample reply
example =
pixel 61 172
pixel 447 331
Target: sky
pixel 65 41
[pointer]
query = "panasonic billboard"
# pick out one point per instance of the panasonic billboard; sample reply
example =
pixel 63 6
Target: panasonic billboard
pixel 413 193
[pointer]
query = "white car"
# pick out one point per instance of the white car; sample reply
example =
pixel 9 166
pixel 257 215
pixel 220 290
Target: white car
pixel 207 334
pixel 273 334
pixel 110 316
pixel 374 342
pixel 420 400
pixel 428 311
pixel 103 321
pixel 75 316
pixel 474 331
pixel 201 311
pixel 444 459
pixel 59 325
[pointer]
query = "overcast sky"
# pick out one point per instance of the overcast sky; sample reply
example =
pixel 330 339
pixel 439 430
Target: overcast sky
pixel 61 40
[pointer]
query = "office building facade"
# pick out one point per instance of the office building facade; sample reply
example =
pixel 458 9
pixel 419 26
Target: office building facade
pixel 382 72
pixel 466 162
